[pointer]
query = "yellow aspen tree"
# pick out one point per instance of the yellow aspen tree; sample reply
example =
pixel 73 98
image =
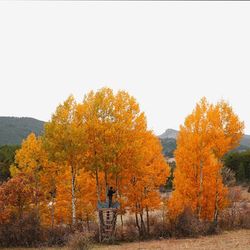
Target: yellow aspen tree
pixel 86 198
pixel 207 134
pixel 49 179
pixel 31 159
pixel 226 136
pixel 65 143
pixel 111 122
pixel 143 181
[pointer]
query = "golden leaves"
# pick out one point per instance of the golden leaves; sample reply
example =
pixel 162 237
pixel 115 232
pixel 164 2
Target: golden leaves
pixel 208 133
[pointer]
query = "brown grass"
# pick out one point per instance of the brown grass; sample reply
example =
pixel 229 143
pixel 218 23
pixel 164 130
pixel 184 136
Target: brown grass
pixel 228 240
pixel 245 194
pixel 239 240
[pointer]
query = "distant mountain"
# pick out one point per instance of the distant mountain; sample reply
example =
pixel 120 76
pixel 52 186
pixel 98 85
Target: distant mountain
pixel 169 133
pixel 13 130
pixel 168 146
pixel 168 141
pixel 245 141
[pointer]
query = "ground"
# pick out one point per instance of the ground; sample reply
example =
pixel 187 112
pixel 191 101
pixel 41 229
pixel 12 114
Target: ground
pixel 239 240
pixel 225 241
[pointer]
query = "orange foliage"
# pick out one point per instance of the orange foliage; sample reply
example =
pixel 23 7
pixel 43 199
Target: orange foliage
pixel 87 147
pixel 17 196
pixel 208 133
pixel 141 185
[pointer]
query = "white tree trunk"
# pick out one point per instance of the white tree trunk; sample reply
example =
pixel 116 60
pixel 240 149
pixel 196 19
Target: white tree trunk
pixel 73 196
pixel 200 190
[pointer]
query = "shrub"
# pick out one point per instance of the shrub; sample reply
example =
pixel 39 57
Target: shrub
pixel 58 236
pixel 159 228
pixel 80 241
pixel 245 222
pixel 128 232
pixel 21 232
pixel 238 214
pixel 188 225
pixel 27 232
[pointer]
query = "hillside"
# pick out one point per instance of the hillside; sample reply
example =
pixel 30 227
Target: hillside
pixel 169 134
pixel 13 130
pixel 245 141
pixel 168 141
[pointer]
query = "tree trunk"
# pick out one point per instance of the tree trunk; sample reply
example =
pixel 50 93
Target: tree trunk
pixel 148 227
pixel 52 213
pixel 97 185
pixel 100 222
pixel 143 228
pixel 216 205
pixel 137 223
pixel 122 224
pixel 200 191
pixel 106 185
pixel 36 195
pixel 73 198
pixel 88 227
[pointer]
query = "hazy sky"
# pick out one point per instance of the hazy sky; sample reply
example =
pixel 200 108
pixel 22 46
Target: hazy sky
pixel 166 54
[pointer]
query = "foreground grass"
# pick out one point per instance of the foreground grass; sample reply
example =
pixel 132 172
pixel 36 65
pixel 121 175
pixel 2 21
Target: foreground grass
pixel 227 240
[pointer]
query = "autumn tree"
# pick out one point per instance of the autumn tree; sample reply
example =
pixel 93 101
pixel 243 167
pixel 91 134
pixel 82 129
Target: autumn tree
pixel 207 134
pixel 31 159
pixel 17 196
pixel 49 181
pixel 102 141
pixel 143 180
pixel 121 152
pixel 65 143
pixel 111 124
pixel 86 198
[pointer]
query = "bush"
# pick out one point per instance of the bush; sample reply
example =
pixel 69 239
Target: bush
pixel 27 232
pixel 128 232
pixel 235 217
pixel 80 241
pixel 158 228
pixel 58 236
pixel 238 214
pixel 188 225
pixel 21 232
pixel 245 222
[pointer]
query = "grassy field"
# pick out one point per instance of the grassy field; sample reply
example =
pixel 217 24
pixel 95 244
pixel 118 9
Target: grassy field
pixel 228 240
pixel 239 240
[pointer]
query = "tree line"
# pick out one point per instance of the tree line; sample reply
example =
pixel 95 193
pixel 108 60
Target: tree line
pixel 86 147
pixel 104 141
pixel 239 163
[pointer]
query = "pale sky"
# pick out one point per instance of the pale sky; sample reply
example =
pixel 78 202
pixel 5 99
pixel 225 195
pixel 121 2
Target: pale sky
pixel 166 54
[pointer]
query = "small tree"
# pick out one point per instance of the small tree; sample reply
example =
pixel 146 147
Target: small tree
pixel 65 143
pixel 206 136
pixel 17 196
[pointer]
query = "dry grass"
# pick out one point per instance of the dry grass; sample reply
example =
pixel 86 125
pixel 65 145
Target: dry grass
pixel 239 240
pixel 228 240
pixel 245 194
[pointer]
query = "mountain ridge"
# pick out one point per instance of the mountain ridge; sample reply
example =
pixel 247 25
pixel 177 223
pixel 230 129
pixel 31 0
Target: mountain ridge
pixel 14 129
pixel 169 133
pixel 168 141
